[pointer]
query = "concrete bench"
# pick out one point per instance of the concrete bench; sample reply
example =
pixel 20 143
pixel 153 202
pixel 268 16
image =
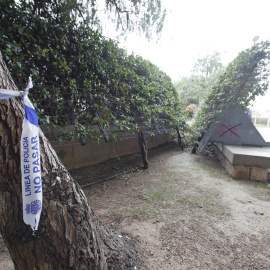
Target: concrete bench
pixel 245 162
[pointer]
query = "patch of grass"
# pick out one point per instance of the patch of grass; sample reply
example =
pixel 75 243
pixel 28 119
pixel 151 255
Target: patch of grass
pixel 154 173
pixel 262 186
pixel 171 227
pixel 163 189
pixel 212 171
pixel 155 212
pixel 196 201
pixel 183 199
pixel 139 213
pixel 162 193
pixel 157 196
pixel 154 199
pixel 206 203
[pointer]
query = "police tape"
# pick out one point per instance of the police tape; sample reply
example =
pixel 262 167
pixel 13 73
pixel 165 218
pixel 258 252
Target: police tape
pixel 30 158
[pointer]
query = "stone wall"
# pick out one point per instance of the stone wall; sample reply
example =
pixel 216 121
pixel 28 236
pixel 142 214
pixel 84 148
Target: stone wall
pixel 73 155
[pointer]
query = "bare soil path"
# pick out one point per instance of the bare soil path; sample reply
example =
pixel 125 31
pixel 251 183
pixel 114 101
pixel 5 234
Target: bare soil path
pixel 184 212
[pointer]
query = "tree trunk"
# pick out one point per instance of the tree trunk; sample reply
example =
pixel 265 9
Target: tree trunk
pixel 180 143
pixel 196 144
pixel 143 147
pixel 70 235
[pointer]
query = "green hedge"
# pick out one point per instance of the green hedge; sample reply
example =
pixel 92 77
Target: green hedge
pixel 78 73
pixel 260 120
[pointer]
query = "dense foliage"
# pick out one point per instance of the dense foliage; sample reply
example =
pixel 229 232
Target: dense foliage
pixel 192 89
pixel 245 78
pixel 208 65
pixel 80 77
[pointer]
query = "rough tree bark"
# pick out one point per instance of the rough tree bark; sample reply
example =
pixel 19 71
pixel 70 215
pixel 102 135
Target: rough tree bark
pixel 143 147
pixel 70 235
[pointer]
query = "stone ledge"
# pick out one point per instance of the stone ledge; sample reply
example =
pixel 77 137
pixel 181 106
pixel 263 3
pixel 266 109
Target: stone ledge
pixel 246 155
pixel 244 171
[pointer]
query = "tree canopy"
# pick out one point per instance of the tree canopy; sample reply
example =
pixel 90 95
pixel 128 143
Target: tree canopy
pixel 80 76
pixel 144 17
pixel 208 65
pixel 192 89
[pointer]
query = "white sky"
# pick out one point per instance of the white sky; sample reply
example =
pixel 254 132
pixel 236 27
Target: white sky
pixel 196 26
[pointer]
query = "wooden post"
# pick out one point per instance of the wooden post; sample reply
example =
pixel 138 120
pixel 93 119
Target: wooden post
pixel 196 144
pixel 143 147
pixel 180 143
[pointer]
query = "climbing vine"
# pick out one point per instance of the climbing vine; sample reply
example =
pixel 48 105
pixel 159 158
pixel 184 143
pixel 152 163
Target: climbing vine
pixel 82 78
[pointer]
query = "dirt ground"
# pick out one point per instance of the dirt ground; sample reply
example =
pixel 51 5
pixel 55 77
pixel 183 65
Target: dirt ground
pixel 184 212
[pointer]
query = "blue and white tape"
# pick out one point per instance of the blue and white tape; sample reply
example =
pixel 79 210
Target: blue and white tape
pixel 30 158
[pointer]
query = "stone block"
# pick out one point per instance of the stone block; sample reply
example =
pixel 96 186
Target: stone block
pixel 240 172
pixel 258 174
